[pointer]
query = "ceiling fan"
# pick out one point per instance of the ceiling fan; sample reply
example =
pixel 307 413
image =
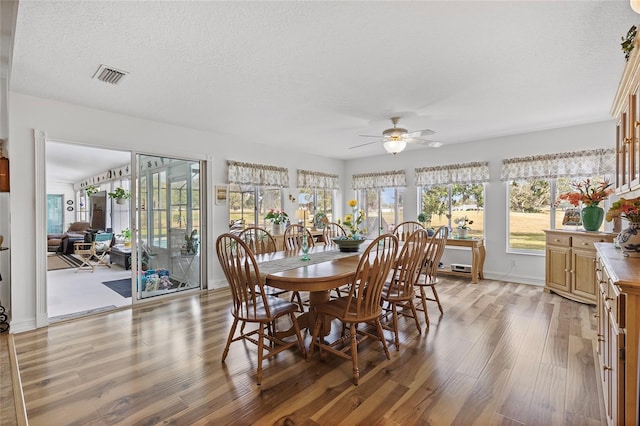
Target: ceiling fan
pixel 396 138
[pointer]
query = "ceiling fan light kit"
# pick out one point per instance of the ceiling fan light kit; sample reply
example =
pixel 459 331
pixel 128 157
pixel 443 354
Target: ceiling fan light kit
pixel 395 139
pixel 395 146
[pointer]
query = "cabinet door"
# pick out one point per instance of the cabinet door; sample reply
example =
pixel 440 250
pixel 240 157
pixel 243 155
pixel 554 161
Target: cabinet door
pixel 584 274
pixel 558 268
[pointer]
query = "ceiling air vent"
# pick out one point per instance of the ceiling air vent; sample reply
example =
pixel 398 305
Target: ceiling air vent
pixel 110 75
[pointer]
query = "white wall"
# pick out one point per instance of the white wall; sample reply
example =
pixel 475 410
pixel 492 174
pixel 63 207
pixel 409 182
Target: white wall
pixel 71 123
pixel 528 268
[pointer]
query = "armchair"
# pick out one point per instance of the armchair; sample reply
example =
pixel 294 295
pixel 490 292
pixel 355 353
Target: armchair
pixel 64 242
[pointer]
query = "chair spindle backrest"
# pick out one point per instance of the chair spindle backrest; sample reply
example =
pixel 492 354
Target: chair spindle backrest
pixel 293 237
pixel 259 240
pixel 332 230
pixel 372 272
pixel 411 259
pixel 243 275
pixel 404 229
pixel 436 249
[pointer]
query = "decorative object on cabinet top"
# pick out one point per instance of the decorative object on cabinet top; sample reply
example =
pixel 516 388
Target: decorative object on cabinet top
pixel 627 42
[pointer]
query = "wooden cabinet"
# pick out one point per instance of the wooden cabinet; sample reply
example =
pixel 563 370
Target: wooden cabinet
pixel 626 111
pixel 618 315
pixel 570 263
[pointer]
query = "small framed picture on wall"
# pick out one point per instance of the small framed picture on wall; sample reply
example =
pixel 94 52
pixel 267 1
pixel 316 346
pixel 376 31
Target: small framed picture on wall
pixel 221 195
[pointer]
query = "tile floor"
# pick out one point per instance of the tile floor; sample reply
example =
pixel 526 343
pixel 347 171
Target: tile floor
pixel 70 293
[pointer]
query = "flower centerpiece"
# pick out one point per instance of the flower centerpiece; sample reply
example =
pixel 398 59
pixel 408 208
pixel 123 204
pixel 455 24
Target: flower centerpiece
pixel 589 194
pixel 277 218
pixel 629 238
pixel 352 223
pixel 463 226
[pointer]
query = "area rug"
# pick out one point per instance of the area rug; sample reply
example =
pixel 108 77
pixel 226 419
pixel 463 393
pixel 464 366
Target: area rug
pixel 122 287
pixel 62 261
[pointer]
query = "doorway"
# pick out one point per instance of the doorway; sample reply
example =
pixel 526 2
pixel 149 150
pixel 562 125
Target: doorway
pixel 78 180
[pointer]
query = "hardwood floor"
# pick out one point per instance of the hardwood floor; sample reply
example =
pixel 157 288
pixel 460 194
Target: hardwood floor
pixel 502 353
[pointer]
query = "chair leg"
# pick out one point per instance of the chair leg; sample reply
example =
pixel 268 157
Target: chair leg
pixel 380 333
pixel 230 338
pixel 314 337
pixel 354 353
pixel 260 352
pixel 415 315
pixel 435 296
pixel 395 325
pixel 424 306
pixel 296 327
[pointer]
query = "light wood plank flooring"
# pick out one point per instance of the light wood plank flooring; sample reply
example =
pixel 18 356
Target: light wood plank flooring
pixel 502 353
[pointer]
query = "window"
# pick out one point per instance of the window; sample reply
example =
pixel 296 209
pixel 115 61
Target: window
pixel 533 186
pixel 254 190
pixel 249 205
pixel 316 193
pixel 444 204
pixel 383 209
pixel 452 192
pixel 381 195
pixel 318 203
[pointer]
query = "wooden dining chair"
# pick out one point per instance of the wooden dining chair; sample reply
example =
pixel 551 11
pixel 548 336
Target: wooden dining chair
pixel 330 231
pixel 404 229
pixel 399 290
pixel 435 249
pixel 260 241
pixel 361 305
pixel 251 304
pixel 293 236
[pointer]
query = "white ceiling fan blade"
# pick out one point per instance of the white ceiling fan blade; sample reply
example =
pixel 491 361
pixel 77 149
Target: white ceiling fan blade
pixel 370 136
pixel 364 144
pixel 418 133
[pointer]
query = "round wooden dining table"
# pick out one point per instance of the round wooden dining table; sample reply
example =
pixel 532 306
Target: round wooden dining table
pixel 318 279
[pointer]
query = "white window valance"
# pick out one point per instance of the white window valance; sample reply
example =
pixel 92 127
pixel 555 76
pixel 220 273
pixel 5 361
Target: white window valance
pixel 257 174
pixel 317 180
pixel 391 179
pixel 597 162
pixel 453 173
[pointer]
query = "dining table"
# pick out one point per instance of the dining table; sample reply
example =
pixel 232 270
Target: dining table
pixel 327 268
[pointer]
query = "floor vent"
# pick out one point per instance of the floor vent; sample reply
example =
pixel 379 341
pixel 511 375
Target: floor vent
pixel 110 75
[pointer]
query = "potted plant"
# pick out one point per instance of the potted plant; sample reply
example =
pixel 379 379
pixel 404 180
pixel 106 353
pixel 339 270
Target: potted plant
pixel 120 195
pixel 125 236
pixel 191 242
pixel 463 226
pixel 278 219
pixel 91 189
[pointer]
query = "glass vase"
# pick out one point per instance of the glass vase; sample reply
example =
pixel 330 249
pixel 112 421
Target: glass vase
pixel 592 217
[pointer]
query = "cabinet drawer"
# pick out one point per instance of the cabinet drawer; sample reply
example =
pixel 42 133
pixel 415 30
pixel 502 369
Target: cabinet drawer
pixel 559 240
pixel 586 242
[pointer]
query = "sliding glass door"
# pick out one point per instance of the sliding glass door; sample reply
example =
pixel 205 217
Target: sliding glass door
pixel 168 225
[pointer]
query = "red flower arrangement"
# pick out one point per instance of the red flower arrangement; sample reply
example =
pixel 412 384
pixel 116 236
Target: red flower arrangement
pixel 588 193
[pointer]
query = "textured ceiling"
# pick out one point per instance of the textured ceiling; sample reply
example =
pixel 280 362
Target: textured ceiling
pixel 315 75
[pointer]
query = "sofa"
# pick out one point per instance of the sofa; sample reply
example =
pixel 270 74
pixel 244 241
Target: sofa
pixel 63 243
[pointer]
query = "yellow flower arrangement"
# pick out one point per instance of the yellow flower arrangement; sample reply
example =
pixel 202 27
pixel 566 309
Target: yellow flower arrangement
pixel 352 222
